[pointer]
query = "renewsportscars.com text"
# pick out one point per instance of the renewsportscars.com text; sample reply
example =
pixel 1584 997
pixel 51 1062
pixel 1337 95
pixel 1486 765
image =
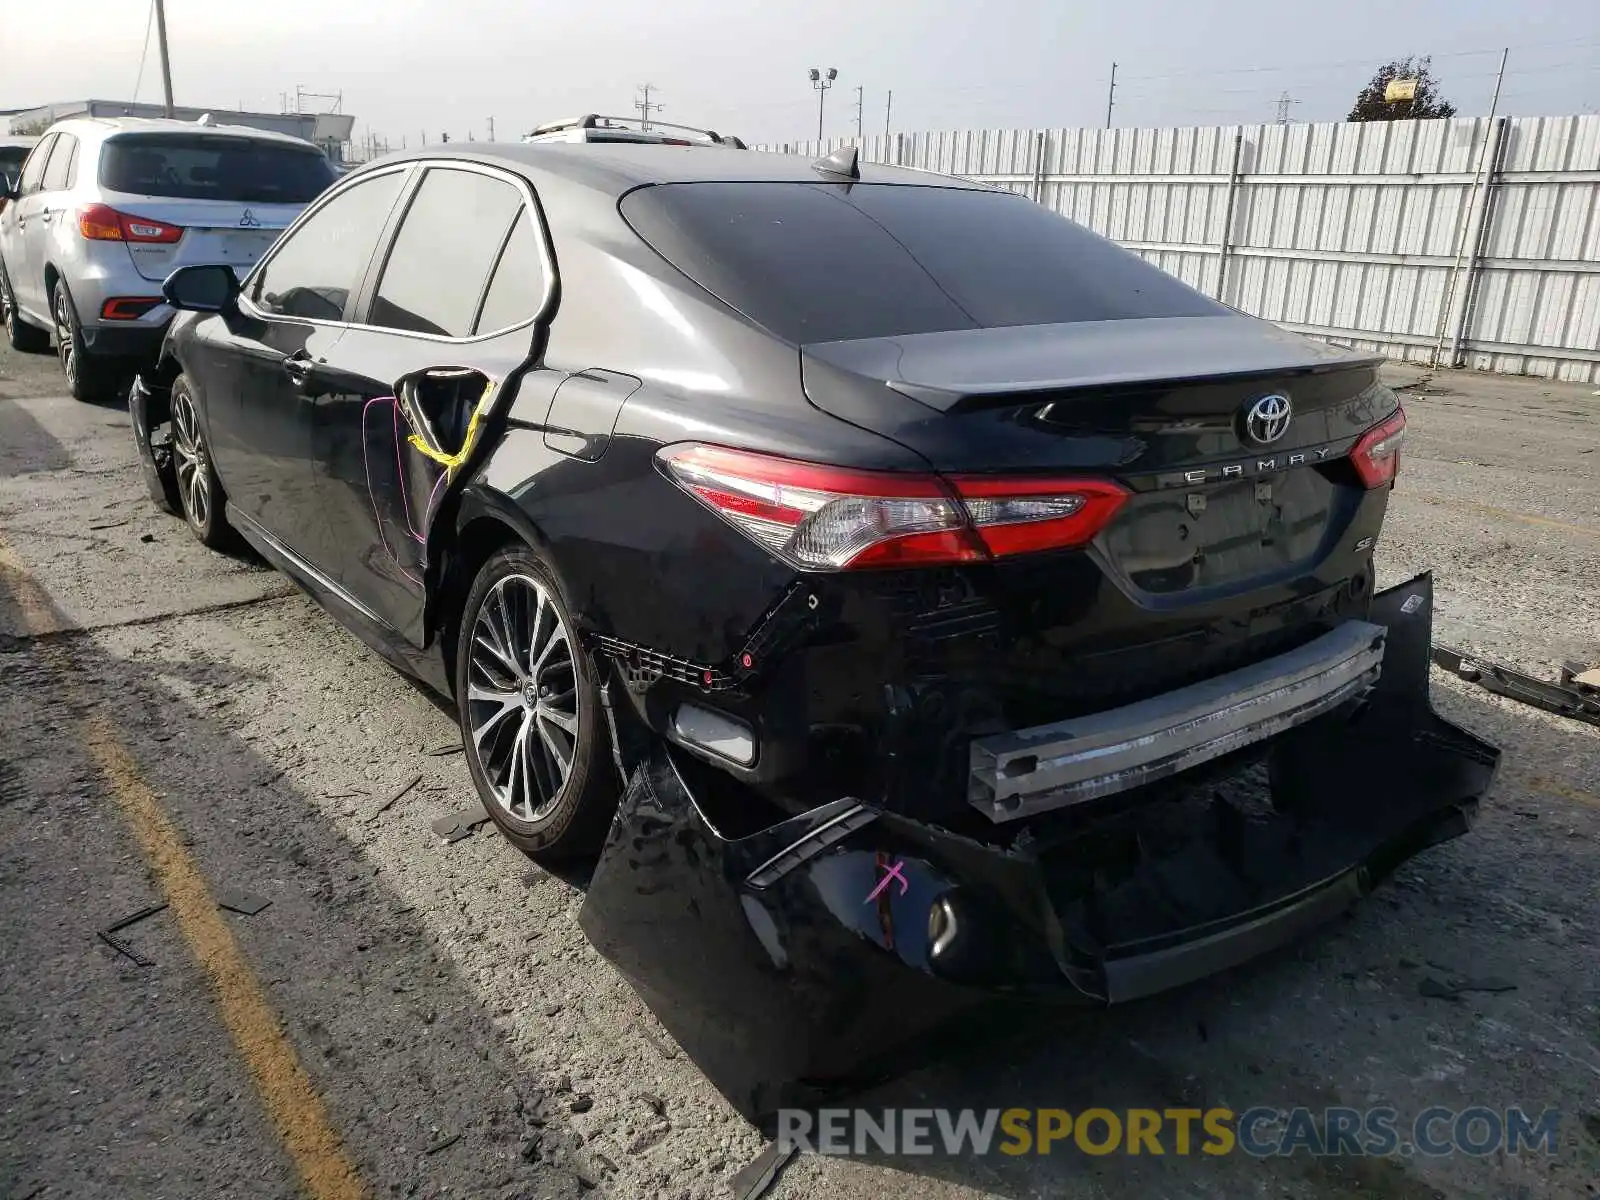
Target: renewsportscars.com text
pixel 1259 1132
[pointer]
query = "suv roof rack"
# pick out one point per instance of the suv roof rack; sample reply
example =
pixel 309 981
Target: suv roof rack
pixel 634 125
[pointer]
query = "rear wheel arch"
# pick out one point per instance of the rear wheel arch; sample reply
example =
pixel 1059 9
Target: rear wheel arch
pixel 486 522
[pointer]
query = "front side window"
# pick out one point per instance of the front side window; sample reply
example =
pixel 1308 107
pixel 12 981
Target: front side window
pixel 58 175
pixel 205 166
pixel 11 160
pixel 318 265
pixel 442 255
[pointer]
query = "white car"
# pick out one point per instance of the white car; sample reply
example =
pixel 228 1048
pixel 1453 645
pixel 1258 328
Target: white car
pixel 106 208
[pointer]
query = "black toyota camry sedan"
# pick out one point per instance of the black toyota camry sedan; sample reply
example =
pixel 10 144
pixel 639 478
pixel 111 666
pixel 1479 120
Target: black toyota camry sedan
pixel 871 566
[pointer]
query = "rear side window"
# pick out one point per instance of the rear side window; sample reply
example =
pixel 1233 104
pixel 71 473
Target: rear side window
pixel 819 262
pixel 33 172
pixel 214 167
pixel 316 267
pixel 63 161
pixel 441 258
pixel 516 293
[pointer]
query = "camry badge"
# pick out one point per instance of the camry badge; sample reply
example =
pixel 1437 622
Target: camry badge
pixel 1267 419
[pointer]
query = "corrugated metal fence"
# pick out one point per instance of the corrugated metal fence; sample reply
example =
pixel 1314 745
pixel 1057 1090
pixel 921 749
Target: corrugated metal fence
pixel 1478 241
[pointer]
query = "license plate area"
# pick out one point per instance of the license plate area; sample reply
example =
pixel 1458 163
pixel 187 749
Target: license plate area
pixel 1177 539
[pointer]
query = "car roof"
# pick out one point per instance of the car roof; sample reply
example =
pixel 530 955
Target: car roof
pixel 111 126
pixel 619 167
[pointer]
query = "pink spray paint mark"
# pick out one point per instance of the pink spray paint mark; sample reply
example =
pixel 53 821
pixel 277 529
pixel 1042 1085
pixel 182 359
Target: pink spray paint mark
pixel 890 873
pixel 372 492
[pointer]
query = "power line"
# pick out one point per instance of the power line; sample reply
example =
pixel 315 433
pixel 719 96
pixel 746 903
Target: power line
pixel 149 21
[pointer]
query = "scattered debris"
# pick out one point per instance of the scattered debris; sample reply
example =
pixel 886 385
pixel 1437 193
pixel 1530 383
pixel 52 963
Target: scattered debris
pixel 112 524
pixel 449 1139
pixel 1434 989
pixel 753 1180
pixel 346 795
pixel 395 798
pixel 605 1162
pixel 1568 698
pixel 455 826
pixel 581 1102
pixel 241 902
pixel 147 537
pixel 107 935
pixel 443 750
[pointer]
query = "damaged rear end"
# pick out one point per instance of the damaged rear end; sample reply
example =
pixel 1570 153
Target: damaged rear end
pixel 1086 695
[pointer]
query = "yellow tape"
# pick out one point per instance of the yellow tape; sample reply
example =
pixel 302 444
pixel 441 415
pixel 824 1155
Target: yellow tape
pixel 452 462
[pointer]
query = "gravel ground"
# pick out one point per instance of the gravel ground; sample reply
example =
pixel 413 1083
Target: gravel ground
pixel 439 991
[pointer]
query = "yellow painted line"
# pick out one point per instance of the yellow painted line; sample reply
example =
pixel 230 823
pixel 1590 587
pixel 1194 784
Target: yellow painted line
pixel 287 1093
pixel 1566 793
pixel 1509 515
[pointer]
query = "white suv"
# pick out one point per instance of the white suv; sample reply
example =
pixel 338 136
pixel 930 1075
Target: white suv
pixel 595 128
pixel 106 209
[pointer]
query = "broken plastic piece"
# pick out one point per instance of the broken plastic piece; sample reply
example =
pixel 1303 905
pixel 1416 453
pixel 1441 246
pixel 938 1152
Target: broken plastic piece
pixel 752 1180
pixel 1570 698
pixel 107 935
pixel 241 902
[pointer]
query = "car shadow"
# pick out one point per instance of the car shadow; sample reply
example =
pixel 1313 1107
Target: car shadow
pixel 419 1079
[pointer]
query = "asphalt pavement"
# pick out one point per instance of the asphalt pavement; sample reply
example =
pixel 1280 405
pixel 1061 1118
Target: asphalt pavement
pixel 413 1017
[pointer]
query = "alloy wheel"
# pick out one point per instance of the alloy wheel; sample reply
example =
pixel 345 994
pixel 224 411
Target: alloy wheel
pixel 65 346
pixel 194 475
pixel 522 696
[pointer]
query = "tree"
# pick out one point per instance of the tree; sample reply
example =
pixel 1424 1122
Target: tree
pixel 1372 106
pixel 30 128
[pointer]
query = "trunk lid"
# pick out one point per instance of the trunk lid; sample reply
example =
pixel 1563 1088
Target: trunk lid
pixel 1220 501
pixel 214 231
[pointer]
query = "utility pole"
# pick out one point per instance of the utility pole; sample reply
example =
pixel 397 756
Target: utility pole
pixel 644 105
pixel 1111 94
pixel 491 129
pixel 888 110
pixel 166 62
pixel 861 99
pixel 1284 101
pixel 822 82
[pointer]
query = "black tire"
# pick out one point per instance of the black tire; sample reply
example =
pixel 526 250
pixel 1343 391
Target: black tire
pixel 20 335
pixel 539 816
pixel 201 500
pixel 89 379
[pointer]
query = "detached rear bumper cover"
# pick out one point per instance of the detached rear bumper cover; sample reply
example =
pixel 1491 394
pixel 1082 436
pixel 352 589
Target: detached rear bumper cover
pixel 817 954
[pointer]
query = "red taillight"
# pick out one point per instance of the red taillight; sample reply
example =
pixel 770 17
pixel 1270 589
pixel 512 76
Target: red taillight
pixel 829 518
pixel 1377 455
pixel 128 308
pixel 102 223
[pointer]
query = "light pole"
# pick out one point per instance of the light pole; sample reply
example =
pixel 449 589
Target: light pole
pixel 822 82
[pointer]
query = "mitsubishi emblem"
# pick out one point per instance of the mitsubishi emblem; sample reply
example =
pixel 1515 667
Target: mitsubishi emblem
pixel 248 221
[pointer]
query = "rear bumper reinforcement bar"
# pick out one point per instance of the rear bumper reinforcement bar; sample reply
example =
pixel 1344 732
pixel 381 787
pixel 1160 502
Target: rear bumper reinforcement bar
pixel 1027 771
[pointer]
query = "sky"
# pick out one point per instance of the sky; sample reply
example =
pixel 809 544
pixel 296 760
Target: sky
pixel 409 68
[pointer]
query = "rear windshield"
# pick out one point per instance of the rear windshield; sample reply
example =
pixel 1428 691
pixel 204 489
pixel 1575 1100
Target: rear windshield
pixel 820 262
pixel 11 158
pixel 207 167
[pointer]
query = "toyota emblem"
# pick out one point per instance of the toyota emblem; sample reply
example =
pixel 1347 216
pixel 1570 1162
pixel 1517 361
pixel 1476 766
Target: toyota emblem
pixel 1267 419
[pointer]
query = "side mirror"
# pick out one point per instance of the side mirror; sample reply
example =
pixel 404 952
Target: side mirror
pixel 205 288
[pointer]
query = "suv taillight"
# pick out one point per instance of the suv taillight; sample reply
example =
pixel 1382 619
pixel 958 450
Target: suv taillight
pixel 102 223
pixel 823 518
pixel 1377 455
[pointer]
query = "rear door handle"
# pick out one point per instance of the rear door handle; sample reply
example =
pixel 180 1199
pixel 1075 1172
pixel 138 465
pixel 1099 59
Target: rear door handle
pixel 47 216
